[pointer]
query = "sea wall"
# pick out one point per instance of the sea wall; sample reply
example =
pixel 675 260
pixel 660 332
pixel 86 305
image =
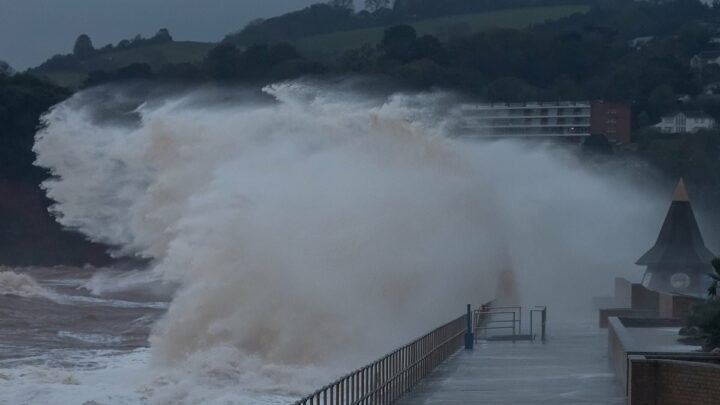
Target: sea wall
pixel 658 381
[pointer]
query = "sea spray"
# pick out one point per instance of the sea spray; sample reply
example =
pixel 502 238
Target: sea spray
pixel 314 233
pixel 23 285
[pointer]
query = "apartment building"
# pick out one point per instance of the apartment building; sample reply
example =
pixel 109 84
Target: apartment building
pixel 561 119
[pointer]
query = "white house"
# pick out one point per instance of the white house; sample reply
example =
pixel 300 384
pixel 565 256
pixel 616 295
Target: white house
pixel 639 42
pixel 705 58
pixel 685 122
pixel 712 89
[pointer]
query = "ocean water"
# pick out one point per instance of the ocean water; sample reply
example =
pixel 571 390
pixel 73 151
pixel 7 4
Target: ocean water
pixel 60 343
pixel 80 336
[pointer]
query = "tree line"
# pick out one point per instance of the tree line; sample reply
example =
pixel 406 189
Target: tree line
pixel 337 15
pixel 84 49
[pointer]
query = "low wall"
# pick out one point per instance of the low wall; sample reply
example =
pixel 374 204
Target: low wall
pixel 623 349
pixel 658 381
pixel 633 300
pixel 604 314
pixel 676 306
pixel 618 340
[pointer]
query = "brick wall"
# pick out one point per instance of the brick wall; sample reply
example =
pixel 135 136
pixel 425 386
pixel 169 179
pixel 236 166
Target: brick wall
pixel 673 382
pixel 611 120
pixel 665 305
pixel 682 306
pixel 642 298
pixel 616 351
pixel 676 306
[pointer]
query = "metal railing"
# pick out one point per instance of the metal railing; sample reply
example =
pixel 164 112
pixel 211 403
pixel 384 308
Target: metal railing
pixel 493 318
pixel 386 380
pixel 542 310
pixel 488 318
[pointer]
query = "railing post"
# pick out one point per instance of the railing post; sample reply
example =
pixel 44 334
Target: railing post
pixel 544 318
pixel 469 335
pixel 532 338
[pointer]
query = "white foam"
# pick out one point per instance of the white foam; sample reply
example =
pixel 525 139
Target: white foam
pixel 325 229
pixel 95 338
pixel 116 379
pixel 113 281
pixel 12 283
pixel 95 301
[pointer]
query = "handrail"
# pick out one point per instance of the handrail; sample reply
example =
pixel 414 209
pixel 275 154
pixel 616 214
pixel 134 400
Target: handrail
pixel 543 319
pixel 386 380
pixel 482 320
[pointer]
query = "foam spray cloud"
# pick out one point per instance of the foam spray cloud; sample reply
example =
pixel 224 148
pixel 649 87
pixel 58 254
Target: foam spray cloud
pixel 317 231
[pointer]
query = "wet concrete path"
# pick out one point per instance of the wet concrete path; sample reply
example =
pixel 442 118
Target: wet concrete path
pixel 570 368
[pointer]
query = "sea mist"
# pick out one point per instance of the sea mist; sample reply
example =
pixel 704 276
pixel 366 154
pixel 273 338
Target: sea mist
pixel 314 229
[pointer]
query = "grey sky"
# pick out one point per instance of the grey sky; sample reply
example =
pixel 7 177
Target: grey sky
pixel 33 30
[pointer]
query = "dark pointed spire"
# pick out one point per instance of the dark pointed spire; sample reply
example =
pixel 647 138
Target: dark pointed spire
pixel 680 242
pixel 680 193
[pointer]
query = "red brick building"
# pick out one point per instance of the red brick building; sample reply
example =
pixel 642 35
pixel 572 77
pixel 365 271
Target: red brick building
pixel 611 120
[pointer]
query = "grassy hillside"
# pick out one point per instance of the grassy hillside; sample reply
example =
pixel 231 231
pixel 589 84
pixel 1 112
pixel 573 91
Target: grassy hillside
pixel 155 55
pixel 441 27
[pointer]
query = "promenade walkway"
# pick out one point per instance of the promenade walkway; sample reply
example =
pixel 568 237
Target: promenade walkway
pixel 570 368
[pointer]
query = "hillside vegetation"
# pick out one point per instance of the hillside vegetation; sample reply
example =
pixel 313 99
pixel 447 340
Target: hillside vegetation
pixel 339 15
pixel 161 51
pixel 442 28
pixel 154 55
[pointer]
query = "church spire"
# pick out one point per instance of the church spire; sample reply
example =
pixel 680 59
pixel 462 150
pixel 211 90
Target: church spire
pixel 679 261
pixel 680 192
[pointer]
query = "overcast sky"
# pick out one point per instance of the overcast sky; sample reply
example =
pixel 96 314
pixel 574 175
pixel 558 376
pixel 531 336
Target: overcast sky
pixel 33 30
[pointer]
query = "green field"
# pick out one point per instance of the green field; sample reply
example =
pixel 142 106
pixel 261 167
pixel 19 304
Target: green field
pixel 441 27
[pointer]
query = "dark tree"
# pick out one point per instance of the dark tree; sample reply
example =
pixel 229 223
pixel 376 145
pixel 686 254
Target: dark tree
pixel 135 71
pixel 429 47
pixel 83 47
pixel 96 78
pixel 163 35
pixel 222 62
pixel 398 42
pixel 598 144
pixel 343 4
pixel 510 89
pixel 6 69
pixel 360 60
pixel 713 289
pixel 183 72
pixel 375 5
pixel 706 316
pixel 259 61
